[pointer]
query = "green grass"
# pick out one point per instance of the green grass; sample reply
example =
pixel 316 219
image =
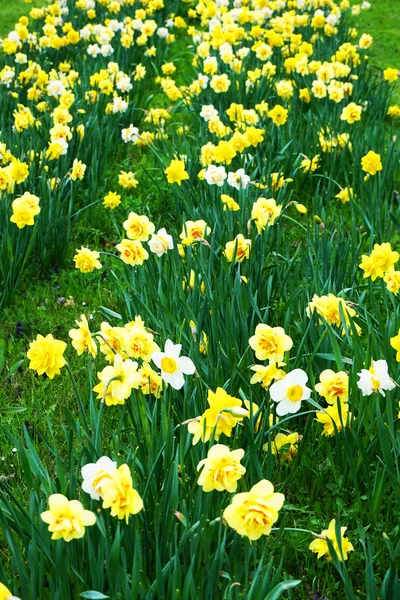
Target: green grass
pixel 11 11
pixel 381 21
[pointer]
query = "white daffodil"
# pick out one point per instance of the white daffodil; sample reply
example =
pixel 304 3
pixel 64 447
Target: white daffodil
pixel 94 474
pixel 130 134
pixel 215 175
pixel 238 179
pixel 173 367
pixel 375 379
pixel 289 392
pixel 208 112
pixel 161 242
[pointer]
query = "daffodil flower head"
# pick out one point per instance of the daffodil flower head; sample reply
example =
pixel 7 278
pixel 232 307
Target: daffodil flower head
pixel 94 474
pixel 375 379
pixel 321 547
pixel 289 392
pixel 173 366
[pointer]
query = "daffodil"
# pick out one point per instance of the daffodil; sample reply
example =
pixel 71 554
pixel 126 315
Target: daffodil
pixel 173 366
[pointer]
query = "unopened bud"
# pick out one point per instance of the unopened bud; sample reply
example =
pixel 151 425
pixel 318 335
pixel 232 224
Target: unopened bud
pixel 300 208
pixel 237 411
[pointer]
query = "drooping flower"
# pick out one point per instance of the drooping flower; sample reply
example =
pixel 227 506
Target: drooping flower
pixel 287 441
pixel 194 231
pixel 82 338
pixel 67 519
pixel 265 212
pixel 321 548
pixel 238 249
pixel 221 416
pixel 238 179
pixel 333 309
pixel 345 195
pixel 334 419
pixel 266 374
pixel 229 203
pixel 119 494
pixel 252 514
pixel 46 355
pixel 78 170
pixel 117 381
pixel 221 469
pixel 150 381
pixel 333 385
pixel 94 474
pixel 290 391
pixel 173 367
pixel 270 343
pixel 375 379
pixel 112 341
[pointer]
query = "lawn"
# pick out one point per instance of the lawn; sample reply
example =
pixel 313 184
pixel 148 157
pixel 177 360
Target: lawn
pixel 203 222
pixel 11 11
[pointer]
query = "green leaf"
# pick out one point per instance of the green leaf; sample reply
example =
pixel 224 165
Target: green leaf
pixel 280 588
pixel 3 347
pixel 93 595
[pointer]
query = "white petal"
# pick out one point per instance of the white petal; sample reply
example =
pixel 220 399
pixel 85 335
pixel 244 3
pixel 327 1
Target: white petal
pixel 297 376
pixel 283 408
pixel 186 365
pixel 157 358
pixel 175 380
pixel 286 407
pixel 278 390
pixel 381 367
pixel 172 349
